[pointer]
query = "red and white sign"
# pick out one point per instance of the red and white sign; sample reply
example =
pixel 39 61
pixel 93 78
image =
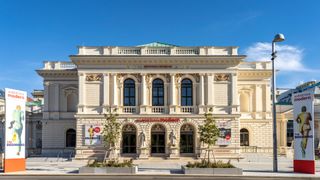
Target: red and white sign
pixel 303 106
pixel 14 156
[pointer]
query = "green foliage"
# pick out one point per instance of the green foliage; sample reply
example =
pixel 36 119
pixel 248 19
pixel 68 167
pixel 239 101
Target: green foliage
pixel 125 163
pixel 206 164
pixel 209 132
pixel 111 129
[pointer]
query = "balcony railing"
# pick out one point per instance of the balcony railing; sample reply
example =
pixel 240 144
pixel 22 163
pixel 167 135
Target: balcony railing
pixel 158 109
pixel 158 51
pixel 129 109
pixel 187 109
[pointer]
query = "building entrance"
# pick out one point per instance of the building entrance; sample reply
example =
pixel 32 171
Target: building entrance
pixel 158 139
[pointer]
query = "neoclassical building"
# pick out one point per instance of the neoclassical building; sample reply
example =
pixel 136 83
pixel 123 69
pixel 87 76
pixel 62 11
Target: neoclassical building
pixel 160 92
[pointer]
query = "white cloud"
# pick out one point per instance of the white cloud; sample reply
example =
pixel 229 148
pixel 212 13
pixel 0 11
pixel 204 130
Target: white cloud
pixel 289 58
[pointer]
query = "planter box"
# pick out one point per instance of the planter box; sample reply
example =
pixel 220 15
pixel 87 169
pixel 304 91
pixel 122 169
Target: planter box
pixel 108 170
pixel 212 171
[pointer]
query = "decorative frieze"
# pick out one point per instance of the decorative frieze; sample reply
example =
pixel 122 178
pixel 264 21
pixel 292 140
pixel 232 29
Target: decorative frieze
pixel 222 77
pixel 94 77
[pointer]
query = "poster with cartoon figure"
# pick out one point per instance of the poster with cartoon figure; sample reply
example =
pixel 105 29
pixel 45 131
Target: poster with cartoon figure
pixel 93 135
pixel 303 107
pixel 15 124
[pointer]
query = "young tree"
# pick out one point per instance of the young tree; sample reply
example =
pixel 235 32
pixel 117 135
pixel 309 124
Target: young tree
pixel 209 133
pixel 111 131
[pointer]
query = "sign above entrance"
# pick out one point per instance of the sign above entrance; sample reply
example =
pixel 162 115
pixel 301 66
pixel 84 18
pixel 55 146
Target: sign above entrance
pixel 144 120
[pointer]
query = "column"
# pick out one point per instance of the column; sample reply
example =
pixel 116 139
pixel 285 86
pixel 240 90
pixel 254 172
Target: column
pixel 57 98
pixel 143 105
pixel 210 89
pixel 82 93
pixel 172 90
pixel 106 102
pixel 143 90
pixel 258 101
pixel 46 96
pixel 201 94
pixel 115 90
pixel 201 90
pixel 235 98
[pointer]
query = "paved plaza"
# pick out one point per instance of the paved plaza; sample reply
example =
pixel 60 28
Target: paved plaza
pixel 252 165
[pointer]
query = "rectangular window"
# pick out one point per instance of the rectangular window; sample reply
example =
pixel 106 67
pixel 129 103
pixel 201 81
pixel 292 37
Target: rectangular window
pixel 289 132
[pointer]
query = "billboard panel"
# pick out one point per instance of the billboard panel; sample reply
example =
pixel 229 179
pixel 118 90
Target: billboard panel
pixel 15 108
pixel 303 111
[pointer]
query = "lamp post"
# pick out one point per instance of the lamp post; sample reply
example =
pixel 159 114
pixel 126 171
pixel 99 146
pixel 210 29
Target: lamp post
pixel 277 38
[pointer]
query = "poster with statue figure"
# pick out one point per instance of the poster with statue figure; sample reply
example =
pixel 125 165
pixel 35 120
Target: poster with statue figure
pixel 15 109
pixel 303 112
pixel 93 135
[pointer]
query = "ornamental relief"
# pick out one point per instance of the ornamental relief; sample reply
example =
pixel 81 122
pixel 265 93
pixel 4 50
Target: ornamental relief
pixel 222 77
pixel 94 77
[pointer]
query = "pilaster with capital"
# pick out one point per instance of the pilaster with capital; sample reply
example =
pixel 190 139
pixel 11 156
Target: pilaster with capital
pixel 82 93
pixel 106 85
pixel 235 97
pixel 173 102
pixel 210 86
pixel 114 91
pixel 143 105
pixel 201 94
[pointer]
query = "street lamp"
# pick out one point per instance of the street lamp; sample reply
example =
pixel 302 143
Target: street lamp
pixel 277 38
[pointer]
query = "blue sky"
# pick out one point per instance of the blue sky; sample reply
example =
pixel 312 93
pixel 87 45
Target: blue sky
pixel 36 30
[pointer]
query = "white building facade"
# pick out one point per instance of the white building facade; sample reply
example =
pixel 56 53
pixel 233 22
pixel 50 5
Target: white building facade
pixel 160 92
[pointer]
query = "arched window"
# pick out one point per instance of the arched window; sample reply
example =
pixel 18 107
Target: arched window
pixel 129 139
pixel 244 137
pixel 157 93
pixel 186 92
pixel 72 103
pixel 129 93
pixel 244 103
pixel 71 138
pixel 186 139
pixel 158 141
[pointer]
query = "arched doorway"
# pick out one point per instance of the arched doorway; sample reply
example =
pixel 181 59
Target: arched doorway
pixel 71 138
pixel 129 139
pixel 244 137
pixel 158 134
pixel 187 139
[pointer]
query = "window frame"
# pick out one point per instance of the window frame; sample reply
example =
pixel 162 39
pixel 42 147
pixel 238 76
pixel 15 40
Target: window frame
pixel 159 88
pixel 129 99
pixel 186 100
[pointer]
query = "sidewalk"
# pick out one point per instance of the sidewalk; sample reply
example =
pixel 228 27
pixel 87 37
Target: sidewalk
pixel 252 165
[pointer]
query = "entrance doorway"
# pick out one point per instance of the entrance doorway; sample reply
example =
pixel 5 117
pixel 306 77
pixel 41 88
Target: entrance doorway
pixel 186 139
pixel 158 134
pixel 129 139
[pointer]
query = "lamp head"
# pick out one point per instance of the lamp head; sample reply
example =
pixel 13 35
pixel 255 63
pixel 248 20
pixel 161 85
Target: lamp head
pixel 278 38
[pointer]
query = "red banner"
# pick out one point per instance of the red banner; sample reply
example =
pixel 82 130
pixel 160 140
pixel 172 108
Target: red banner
pixel 142 120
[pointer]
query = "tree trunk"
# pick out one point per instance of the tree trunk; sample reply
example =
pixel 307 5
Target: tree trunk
pixel 208 154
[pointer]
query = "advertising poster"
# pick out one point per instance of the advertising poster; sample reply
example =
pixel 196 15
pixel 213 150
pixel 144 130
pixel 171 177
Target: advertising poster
pixel 93 135
pixel 303 112
pixel 225 133
pixel 15 109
